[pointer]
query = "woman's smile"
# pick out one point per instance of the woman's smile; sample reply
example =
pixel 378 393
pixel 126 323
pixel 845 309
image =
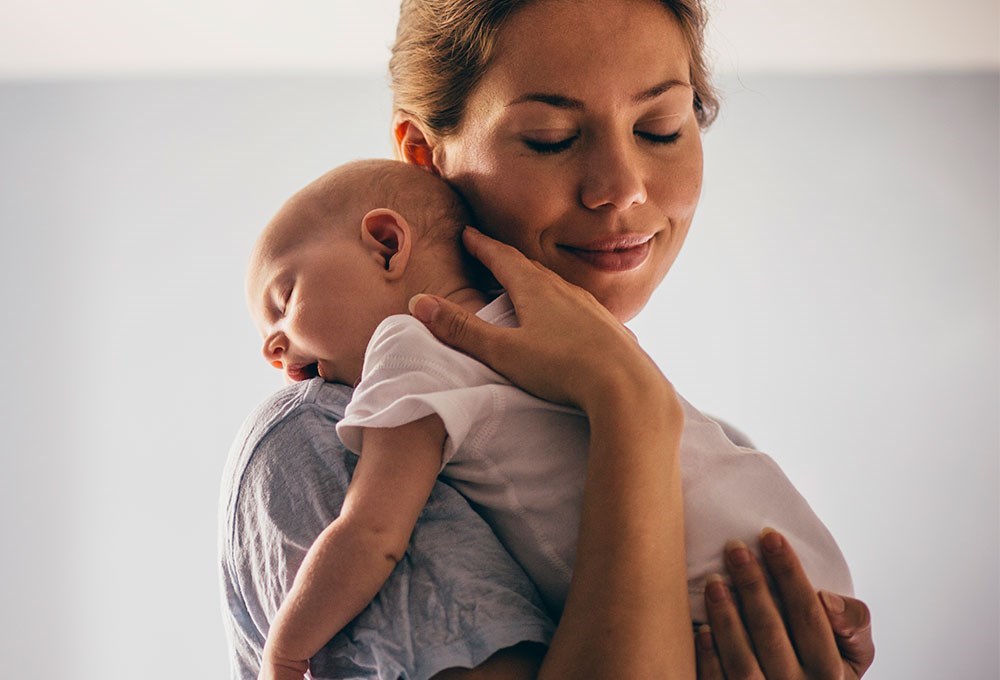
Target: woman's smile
pixel 618 253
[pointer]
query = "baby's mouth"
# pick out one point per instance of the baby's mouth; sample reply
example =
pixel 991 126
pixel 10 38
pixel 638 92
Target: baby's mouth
pixel 300 372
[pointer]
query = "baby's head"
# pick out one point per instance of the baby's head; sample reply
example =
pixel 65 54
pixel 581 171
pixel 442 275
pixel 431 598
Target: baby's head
pixel 344 253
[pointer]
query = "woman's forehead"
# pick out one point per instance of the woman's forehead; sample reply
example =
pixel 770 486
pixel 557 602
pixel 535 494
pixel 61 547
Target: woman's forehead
pixel 566 46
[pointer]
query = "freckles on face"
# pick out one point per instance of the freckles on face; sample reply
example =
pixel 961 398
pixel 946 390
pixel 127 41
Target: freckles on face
pixel 580 146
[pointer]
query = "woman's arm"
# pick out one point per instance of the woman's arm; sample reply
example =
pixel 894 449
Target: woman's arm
pixel 353 557
pixel 627 611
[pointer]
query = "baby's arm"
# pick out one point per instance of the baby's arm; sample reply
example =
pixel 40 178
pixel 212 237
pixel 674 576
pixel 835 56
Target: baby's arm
pixel 351 560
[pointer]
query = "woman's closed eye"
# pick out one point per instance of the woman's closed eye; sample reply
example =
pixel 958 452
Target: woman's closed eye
pixel 546 146
pixel 657 138
pixel 552 147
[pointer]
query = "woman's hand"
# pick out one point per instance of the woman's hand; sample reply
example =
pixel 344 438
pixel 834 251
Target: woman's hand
pixel 568 349
pixel 626 613
pixel 826 637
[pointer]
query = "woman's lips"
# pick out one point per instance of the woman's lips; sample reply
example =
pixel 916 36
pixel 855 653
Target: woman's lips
pixel 617 254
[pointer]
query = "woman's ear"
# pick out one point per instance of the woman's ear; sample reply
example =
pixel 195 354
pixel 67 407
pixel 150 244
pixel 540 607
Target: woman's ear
pixel 388 238
pixel 412 144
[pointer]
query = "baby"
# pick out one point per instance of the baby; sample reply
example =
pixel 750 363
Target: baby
pixel 328 286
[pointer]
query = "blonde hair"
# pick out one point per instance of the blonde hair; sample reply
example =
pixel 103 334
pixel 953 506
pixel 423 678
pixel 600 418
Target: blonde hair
pixel 444 47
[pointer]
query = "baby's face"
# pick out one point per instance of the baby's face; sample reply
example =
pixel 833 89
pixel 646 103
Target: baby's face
pixel 316 301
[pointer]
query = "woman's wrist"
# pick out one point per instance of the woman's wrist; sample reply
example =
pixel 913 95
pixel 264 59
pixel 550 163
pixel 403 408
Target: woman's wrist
pixel 627 386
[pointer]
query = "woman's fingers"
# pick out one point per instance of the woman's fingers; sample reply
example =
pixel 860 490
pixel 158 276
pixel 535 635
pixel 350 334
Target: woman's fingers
pixel 765 625
pixel 852 627
pixel 709 666
pixel 826 636
pixel 459 328
pixel 506 263
pixel 808 626
pixel 736 655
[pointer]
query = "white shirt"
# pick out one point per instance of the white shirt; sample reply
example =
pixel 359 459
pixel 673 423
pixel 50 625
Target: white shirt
pixel 521 463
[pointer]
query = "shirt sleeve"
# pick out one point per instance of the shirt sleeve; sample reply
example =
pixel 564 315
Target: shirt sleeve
pixel 455 599
pixel 409 374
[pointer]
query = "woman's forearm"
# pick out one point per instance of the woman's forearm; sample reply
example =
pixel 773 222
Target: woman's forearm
pixel 627 613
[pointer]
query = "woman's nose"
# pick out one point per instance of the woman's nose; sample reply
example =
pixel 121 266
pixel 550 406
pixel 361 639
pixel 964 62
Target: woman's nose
pixel 613 177
pixel 275 345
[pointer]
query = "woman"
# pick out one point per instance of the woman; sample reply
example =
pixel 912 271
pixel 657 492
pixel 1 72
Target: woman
pixel 573 129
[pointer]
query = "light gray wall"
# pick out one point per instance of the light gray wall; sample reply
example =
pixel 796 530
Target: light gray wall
pixel 837 299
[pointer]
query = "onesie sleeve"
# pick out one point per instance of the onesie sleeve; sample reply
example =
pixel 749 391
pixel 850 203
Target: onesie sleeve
pixel 409 374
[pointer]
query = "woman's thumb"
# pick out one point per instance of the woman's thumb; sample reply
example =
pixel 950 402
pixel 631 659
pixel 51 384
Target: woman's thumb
pixel 453 325
pixel 852 625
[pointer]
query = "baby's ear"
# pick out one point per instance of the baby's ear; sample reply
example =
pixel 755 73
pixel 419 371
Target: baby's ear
pixel 387 236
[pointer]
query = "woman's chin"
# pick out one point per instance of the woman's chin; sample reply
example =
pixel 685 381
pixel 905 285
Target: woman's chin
pixel 623 304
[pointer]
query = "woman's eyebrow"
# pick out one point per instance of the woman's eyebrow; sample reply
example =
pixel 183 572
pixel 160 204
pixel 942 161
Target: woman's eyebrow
pixel 562 102
pixel 657 90
pixel 556 100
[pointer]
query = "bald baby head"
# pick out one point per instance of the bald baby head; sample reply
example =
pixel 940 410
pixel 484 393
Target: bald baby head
pixel 335 204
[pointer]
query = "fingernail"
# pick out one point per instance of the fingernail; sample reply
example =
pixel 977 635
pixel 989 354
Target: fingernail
pixel 424 307
pixel 737 553
pixel 704 637
pixel 771 541
pixel 472 230
pixel 833 603
pixel 715 589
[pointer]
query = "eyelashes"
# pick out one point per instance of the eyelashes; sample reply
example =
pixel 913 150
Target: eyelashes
pixel 564 144
pixel 285 297
pixel 550 147
pixel 659 139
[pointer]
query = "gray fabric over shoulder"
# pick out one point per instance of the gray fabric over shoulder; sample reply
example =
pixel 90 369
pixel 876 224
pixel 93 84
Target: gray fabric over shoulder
pixel 455 599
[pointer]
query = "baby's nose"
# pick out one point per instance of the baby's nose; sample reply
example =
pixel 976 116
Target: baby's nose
pixel 273 349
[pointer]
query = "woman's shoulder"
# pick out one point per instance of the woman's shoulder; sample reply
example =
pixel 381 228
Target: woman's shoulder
pixel 733 434
pixel 309 400
pixel 287 448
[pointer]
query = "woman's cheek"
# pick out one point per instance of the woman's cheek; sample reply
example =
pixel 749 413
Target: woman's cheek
pixel 512 207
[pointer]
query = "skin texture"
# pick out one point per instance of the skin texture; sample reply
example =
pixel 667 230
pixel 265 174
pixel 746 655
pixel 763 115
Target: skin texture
pixel 826 636
pixel 584 139
pixel 329 268
pixel 302 324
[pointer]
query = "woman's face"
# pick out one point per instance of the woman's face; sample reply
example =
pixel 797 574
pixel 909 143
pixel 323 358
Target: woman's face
pixel 580 145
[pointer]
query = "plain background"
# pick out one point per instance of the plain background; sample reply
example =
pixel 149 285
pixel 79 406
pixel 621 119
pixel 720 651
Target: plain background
pixel 837 299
